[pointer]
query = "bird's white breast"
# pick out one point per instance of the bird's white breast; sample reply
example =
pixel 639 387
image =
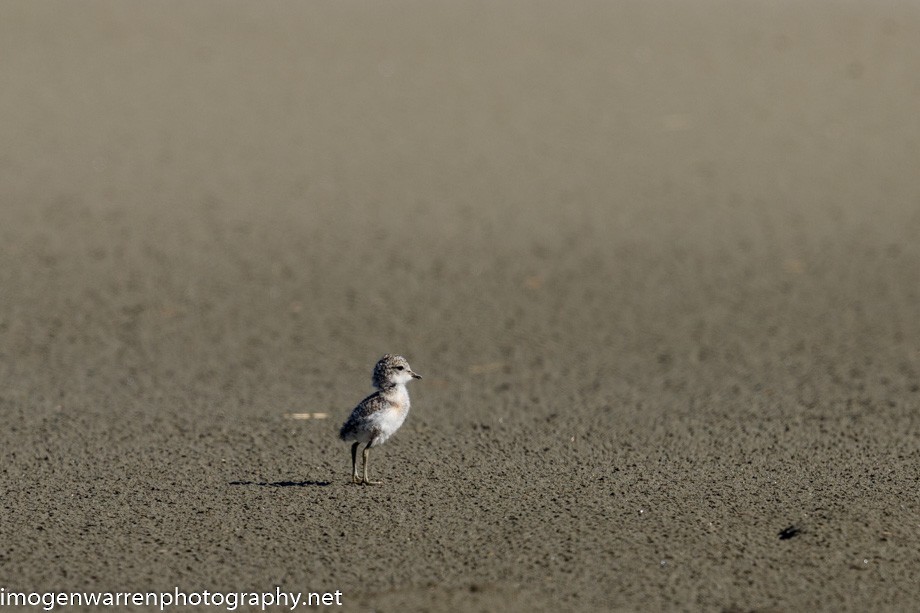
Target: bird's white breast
pixel 390 419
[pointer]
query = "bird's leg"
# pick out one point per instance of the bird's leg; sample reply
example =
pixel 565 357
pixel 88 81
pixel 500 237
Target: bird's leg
pixel 367 481
pixel 354 464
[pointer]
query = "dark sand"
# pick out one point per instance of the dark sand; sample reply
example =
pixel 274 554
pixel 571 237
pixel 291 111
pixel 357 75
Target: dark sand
pixel 658 262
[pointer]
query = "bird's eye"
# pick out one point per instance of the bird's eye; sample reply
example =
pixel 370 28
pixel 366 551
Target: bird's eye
pixel 400 368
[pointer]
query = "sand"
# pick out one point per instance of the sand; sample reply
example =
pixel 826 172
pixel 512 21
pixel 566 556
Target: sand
pixel 657 261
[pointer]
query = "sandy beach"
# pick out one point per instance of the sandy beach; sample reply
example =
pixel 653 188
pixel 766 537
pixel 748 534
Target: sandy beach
pixel 658 262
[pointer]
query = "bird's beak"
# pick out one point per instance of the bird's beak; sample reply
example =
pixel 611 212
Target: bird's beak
pixel 415 375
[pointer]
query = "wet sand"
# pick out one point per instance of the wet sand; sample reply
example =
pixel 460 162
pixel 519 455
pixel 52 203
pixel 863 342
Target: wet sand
pixel 658 263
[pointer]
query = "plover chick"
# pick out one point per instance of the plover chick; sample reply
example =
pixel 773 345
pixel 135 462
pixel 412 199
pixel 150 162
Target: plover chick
pixel 380 414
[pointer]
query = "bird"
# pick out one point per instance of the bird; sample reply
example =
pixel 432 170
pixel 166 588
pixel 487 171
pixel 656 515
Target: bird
pixel 381 414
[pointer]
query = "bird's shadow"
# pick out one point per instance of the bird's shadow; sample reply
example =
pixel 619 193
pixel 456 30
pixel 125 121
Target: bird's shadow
pixel 283 483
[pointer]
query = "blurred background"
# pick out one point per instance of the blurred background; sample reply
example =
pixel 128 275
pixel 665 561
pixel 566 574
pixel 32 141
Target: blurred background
pixel 430 177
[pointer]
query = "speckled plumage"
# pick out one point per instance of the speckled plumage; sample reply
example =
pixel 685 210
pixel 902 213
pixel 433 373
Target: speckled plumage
pixel 364 425
pixel 381 414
